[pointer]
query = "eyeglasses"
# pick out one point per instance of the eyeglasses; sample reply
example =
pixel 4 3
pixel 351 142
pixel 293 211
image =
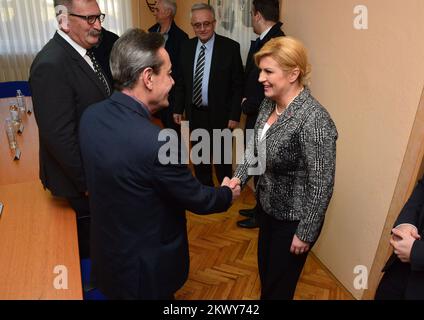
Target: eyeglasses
pixel 206 24
pixel 90 19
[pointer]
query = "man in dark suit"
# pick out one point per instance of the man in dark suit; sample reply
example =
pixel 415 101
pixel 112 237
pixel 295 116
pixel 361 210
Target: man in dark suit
pixel 138 199
pixel 102 51
pixel 165 11
pixel 64 80
pixel 209 86
pixel 265 21
pixel 403 277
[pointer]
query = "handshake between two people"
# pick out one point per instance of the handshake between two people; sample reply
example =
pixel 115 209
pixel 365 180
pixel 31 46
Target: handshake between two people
pixel 234 184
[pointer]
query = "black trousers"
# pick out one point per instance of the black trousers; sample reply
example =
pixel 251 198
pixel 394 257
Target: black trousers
pixel 394 284
pixel 81 207
pixel 279 270
pixel 201 120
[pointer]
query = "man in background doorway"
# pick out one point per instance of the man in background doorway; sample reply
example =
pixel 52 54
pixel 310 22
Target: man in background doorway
pixel 103 49
pixel 265 20
pixel 403 277
pixel 164 12
pixel 209 86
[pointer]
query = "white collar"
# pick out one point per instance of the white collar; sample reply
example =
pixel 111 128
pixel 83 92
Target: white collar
pixel 263 34
pixel 82 51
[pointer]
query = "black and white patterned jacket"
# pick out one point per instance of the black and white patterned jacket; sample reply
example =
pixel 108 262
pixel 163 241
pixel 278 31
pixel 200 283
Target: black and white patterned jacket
pixel 297 183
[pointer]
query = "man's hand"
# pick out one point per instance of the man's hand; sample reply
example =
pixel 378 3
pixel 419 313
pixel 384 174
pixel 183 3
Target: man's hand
pixel 402 244
pixel 232 124
pixel 298 246
pixel 235 188
pixel 235 182
pixel 177 118
pixel 409 229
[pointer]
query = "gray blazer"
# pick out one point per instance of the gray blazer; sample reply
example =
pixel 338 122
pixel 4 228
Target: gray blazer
pixel 298 179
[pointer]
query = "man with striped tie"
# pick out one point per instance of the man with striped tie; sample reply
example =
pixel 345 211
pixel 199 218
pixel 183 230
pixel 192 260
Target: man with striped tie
pixel 65 78
pixel 209 87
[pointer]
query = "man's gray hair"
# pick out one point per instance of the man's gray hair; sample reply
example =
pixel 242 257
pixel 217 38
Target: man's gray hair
pixel 58 4
pixel 202 6
pixel 170 4
pixel 132 53
pixel 66 3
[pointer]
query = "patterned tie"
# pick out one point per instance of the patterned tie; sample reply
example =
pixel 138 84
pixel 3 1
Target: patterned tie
pixel 98 71
pixel 198 77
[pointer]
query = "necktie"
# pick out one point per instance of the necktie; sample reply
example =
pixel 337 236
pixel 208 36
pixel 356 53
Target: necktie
pixel 198 77
pixel 98 71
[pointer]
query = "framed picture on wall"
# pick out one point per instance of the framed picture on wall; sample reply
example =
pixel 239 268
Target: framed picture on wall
pixel 233 21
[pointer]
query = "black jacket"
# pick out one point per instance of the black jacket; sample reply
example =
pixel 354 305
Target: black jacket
pixel 176 38
pixel 62 85
pixel 103 49
pixel 413 213
pixel 225 81
pixel 253 90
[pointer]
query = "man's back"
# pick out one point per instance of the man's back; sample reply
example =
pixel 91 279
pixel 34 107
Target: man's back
pixel 139 237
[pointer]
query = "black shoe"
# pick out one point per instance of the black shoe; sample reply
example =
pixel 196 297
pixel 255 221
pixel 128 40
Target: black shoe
pixel 249 213
pixel 250 223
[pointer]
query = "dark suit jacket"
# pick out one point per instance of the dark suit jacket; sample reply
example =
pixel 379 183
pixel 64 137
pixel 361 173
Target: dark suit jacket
pixel 413 213
pixel 62 85
pixel 225 81
pixel 176 37
pixel 103 50
pixel 139 246
pixel 253 89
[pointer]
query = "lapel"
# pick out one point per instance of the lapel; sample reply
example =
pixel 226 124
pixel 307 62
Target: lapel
pixel 292 111
pixel 250 63
pixel 215 61
pixel 170 43
pixel 82 64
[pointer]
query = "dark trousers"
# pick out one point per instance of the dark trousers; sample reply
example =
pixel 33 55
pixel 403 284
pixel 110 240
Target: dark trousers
pixel 279 270
pixel 81 207
pixel 201 120
pixel 394 284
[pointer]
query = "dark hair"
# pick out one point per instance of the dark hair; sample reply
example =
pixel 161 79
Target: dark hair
pixel 269 9
pixel 132 53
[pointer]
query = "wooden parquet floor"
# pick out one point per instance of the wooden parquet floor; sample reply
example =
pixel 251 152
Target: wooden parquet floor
pixel 224 262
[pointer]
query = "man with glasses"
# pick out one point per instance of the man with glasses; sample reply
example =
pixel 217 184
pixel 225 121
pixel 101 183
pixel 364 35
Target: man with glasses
pixel 65 78
pixel 209 86
pixel 164 12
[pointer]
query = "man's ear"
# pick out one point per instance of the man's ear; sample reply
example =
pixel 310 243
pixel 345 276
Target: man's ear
pixel 146 77
pixel 62 18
